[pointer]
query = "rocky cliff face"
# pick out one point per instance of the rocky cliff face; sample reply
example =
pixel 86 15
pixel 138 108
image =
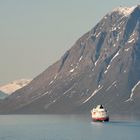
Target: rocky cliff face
pixel 102 67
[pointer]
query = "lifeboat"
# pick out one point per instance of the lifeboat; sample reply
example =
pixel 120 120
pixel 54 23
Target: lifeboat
pixel 99 114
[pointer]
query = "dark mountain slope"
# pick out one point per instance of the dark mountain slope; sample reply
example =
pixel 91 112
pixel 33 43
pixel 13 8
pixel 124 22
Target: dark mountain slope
pixel 103 67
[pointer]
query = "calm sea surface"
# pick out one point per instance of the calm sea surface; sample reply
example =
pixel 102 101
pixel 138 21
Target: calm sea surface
pixel 66 127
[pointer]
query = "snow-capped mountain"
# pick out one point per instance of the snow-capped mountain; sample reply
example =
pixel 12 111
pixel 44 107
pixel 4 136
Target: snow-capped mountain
pixel 124 11
pixel 102 67
pixel 13 86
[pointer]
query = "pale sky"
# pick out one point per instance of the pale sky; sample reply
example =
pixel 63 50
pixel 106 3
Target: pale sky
pixel 36 33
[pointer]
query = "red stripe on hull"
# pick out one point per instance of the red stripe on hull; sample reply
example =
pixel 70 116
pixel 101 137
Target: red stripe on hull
pixel 100 119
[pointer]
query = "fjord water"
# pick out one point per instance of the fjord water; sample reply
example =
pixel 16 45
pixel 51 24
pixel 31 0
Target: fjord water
pixel 66 127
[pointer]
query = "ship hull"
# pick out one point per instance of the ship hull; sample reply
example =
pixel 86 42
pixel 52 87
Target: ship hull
pixel 106 119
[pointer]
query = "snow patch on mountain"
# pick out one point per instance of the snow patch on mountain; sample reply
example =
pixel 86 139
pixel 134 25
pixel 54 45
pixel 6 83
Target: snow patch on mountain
pixel 126 11
pixel 117 54
pixel 80 58
pixel 126 50
pixel 132 92
pixel 15 85
pixel 72 70
pixel 130 41
pixel 98 89
pixel 113 84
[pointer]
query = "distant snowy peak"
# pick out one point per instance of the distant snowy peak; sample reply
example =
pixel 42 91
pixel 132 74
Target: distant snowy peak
pixel 126 11
pixel 15 85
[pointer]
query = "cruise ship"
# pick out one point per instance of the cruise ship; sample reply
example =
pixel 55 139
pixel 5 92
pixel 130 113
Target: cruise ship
pixel 99 114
